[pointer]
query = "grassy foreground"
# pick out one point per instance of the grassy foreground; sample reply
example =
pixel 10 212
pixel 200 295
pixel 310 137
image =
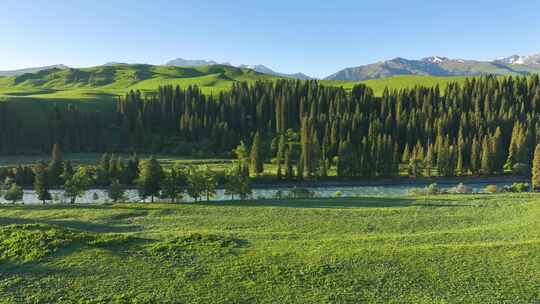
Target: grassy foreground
pixel 441 249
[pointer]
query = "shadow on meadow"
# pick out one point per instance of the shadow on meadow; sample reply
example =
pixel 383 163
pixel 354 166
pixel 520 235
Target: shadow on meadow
pixel 365 202
pixel 73 224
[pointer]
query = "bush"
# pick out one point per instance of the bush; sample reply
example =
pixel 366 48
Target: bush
pixel 338 194
pixel 519 187
pixel 491 189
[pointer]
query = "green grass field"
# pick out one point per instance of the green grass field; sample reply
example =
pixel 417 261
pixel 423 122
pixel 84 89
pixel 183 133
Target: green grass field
pixel 440 249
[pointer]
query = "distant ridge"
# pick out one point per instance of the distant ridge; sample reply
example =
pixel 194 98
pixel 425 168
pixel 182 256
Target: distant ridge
pixel 32 70
pixel 440 66
pixel 180 62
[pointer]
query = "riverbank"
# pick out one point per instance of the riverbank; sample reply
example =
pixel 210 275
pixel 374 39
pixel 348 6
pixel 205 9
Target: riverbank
pixel 398 181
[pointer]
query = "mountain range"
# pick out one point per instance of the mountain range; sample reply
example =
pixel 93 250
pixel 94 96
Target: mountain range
pixel 429 66
pixel 440 66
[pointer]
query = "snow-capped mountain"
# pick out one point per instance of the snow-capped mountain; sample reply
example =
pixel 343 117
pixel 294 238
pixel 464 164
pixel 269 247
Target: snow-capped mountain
pixel 435 59
pixel 520 60
pixel 441 66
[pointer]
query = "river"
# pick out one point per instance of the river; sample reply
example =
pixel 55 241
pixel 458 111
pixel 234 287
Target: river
pixel 400 189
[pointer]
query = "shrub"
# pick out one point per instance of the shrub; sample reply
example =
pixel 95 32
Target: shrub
pixel 519 187
pixel 338 194
pixel 491 189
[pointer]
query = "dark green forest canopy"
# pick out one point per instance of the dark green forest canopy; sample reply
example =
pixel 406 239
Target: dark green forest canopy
pixel 478 126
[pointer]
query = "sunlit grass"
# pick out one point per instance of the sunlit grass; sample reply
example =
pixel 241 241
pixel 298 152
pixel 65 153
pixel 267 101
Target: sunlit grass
pixel 439 249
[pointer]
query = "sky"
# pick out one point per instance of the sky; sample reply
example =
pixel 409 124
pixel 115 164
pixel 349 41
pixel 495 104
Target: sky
pixel 314 37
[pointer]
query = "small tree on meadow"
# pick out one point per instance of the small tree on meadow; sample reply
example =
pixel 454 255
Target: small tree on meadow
pixel 77 185
pixel 173 184
pixel 237 184
pixel 116 192
pixel 149 180
pixel 14 193
pixel 41 186
pixel 196 181
pixel 210 183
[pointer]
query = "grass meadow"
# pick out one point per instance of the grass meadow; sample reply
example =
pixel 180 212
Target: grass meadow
pixel 438 249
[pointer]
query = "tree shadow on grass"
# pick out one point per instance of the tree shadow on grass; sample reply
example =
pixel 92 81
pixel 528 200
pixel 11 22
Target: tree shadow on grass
pixel 364 202
pixel 79 225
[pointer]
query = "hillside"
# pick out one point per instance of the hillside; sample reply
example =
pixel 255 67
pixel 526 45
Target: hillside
pixel 439 249
pixel 106 82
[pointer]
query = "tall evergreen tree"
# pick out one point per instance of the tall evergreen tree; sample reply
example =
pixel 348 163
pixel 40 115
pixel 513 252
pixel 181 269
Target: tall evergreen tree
pixel 55 166
pixel 536 169
pixel 256 158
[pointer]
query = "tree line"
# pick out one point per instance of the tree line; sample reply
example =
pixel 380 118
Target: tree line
pixel 486 125
pixel 146 175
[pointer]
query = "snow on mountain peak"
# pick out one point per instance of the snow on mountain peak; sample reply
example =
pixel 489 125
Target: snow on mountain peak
pixel 435 59
pixel 517 59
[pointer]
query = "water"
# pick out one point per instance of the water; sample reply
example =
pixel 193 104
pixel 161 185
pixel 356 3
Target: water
pixel 322 191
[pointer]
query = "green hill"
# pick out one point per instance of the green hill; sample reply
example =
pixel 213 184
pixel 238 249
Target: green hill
pixel 440 249
pixel 106 82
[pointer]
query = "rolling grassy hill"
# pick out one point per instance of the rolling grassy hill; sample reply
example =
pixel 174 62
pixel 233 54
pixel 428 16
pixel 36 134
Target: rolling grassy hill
pixel 104 83
pixel 440 249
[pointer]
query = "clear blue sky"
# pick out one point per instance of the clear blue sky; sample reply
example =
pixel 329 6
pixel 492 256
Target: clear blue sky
pixel 315 37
